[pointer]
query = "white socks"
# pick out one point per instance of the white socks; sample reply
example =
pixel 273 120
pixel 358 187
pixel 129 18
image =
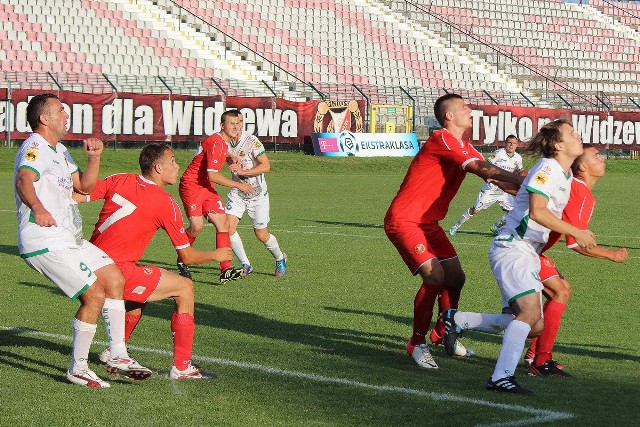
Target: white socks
pixel 238 248
pixel 513 342
pixel 491 323
pixel 83 334
pixel 274 248
pixel 113 312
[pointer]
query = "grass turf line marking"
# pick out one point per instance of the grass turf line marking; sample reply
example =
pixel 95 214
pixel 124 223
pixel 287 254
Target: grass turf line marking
pixel 539 415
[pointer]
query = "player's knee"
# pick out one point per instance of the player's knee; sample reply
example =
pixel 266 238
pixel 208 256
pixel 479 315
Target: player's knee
pixel 186 290
pixel 195 229
pixel 537 328
pixel 262 234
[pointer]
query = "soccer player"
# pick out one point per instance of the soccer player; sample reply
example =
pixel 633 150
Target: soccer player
pixel 252 164
pixel 412 220
pixel 50 238
pixel 514 253
pixel 507 159
pixel 135 207
pixel 587 170
pixel 200 198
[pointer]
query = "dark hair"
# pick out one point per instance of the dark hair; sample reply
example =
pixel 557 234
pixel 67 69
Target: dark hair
pixel 543 143
pixel 575 166
pixel 230 113
pixel 512 136
pixel 36 108
pixel 441 106
pixel 150 155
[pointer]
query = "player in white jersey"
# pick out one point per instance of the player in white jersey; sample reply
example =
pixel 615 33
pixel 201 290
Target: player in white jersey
pixel 251 165
pixel 507 159
pixel 50 238
pixel 514 253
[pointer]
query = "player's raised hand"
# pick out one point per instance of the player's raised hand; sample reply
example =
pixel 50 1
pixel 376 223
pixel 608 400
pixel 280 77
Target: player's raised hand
pixel 93 147
pixel 585 239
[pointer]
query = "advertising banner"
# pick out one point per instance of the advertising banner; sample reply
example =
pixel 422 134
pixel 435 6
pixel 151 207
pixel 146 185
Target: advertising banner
pixel 493 123
pixel 364 144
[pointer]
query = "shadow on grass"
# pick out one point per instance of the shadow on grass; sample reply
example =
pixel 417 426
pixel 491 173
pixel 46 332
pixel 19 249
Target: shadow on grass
pixel 9 250
pixel 597 351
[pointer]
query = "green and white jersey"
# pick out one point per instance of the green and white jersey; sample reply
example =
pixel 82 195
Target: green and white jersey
pixel 547 178
pixel 501 159
pixel 248 149
pixel 54 167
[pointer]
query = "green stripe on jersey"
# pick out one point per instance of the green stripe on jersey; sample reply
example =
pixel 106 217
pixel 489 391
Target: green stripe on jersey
pixel 533 190
pixel 30 168
pixel 512 299
pixel 524 225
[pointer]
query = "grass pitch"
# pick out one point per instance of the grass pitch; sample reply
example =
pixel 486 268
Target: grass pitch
pixel 324 345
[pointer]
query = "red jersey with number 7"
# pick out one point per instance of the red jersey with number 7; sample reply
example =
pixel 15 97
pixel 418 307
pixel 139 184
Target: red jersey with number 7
pixel 134 209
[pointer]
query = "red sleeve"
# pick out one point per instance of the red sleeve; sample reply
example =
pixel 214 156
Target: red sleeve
pixel 579 208
pixel 447 147
pixel 100 190
pixel 215 152
pixel 170 220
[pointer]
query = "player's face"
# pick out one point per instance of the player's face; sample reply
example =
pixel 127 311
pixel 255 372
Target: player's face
pixel 461 113
pixel 56 118
pixel 169 168
pixel 512 144
pixel 594 162
pixel 571 141
pixel 232 127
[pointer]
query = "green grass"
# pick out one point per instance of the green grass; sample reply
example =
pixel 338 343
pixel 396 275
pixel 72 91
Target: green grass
pixel 343 311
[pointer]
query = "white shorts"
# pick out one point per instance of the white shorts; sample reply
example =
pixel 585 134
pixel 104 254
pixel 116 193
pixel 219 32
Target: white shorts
pixel 515 265
pixel 257 208
pixel 72 270
pixel 486 199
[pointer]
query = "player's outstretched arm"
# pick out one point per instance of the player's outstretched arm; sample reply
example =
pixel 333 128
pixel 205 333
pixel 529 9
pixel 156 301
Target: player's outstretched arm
pixel 486 171
pixel 191 256
pixel 615 255
pixel 218 178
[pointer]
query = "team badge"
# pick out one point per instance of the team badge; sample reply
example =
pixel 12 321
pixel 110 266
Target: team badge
pixel 31 155
pixel 541 178
pixel 192 207
pixel 241 154
pixel 548 263
pixel 147 270
pixel 419 249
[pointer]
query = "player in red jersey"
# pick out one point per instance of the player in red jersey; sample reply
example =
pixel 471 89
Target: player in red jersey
pixel 587 170
pixel 412 221
pixel 135 207
pixel 200 198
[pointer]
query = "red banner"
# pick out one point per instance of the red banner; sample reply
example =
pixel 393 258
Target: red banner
pixel 131 117
pixel 615 130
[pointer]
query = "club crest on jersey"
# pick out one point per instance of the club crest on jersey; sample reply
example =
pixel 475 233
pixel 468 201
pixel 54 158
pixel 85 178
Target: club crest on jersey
pixel 541 178
pixel 241 153
pixel 192 207
pixel 31 155
pixel 419 249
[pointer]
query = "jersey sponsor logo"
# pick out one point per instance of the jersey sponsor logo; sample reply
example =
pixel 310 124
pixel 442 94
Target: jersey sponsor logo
pixel 147 270
pixel 139 290
pixel 31 155
pixel 419 249
pixel 541 178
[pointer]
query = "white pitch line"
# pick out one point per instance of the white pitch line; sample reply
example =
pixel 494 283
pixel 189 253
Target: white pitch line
pixel 540 416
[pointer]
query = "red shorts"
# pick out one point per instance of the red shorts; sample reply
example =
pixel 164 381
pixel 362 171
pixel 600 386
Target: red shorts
pixel 547 268
pixel 200 201
pixel 418 244
pixel 140 281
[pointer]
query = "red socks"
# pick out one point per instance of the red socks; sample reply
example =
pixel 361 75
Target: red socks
pixel 553 311
pixel 223 241
pixel 423 305
pixel 183 328
pixel 130 323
